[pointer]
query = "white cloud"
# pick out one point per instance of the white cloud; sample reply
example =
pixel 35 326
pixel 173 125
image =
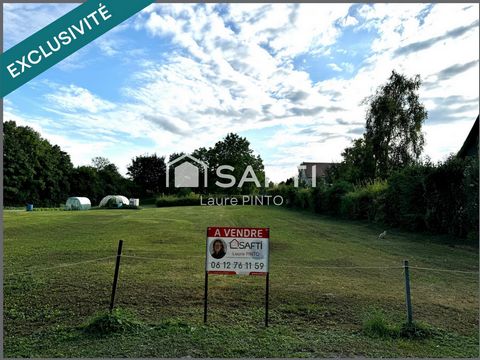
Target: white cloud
pixel 335 67
pixel 234 72
pixel 445 139
pixel 349 21
pixel 74 99
pixel 23 20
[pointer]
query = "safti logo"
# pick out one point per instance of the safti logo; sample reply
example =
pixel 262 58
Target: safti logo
pixel 241 245
pixel 187 174
pixel 234 244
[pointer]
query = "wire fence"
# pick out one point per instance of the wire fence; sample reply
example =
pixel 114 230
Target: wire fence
pixel 33 270
pixel 285 287
pixel 162 259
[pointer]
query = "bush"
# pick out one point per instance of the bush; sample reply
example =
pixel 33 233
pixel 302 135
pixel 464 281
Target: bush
pixel 365 202
pixel 442 199
pixel 318 198
pixel 172 200
pixel 287 192
pixel 451 191
pixel 303 199
pixel 405 203
pixel 333 196
pixel 471 191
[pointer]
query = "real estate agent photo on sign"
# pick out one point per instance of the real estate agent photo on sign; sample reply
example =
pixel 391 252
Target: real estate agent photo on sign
pixel 218 249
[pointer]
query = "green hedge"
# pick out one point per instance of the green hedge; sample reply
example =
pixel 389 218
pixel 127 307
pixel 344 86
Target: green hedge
pixel 365 203
pixel 172 200
pixel 441 198
pixel 332 198
pixel 452 203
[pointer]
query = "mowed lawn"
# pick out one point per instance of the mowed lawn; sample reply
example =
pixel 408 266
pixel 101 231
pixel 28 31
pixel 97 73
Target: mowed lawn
pixel 326 274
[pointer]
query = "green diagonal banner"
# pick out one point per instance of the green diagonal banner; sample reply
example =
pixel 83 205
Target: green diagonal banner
pixel 61 38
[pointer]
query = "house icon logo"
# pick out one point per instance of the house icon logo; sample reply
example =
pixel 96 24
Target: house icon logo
pixel 234 244
pixel 186 174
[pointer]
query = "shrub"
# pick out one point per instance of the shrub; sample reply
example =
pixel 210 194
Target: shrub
pixel 287 192
pixel 318 198
pixel 333 196
pixel 303 198
pixel 172 200
pixel 470 188
pixel 289 195
pixel 440 199
pixel 365 202
pixel 405 203
pixel 451 192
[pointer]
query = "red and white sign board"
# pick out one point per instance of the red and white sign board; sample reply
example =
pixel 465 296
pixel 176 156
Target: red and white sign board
pixel 237 251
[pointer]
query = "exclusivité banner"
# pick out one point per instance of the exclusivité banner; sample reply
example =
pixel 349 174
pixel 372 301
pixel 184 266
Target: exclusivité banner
pixel 63 37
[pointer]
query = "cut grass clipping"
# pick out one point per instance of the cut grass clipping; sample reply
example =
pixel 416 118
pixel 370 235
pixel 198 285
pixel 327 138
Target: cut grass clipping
pixel 117 321
pixel 377 324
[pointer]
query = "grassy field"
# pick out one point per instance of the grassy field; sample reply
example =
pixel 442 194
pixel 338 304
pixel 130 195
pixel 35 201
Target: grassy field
pixel 316 309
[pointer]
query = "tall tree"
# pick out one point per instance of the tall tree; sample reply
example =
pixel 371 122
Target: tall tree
pixel 357 165
pixel 148 174
pixel 112 182
pixel 100 162
pixel 34 170
pixel 234 151
pixel 394 124
pixel 85 181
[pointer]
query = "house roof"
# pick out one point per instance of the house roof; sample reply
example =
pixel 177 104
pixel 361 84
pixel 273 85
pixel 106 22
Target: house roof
pixel 321 168
pixel 470 146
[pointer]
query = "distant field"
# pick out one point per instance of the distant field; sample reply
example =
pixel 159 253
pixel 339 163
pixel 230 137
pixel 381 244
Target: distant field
pixel 316 309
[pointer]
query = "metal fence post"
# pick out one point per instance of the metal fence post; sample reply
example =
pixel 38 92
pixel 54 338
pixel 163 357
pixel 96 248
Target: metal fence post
pixel 115 276
pixel 407 292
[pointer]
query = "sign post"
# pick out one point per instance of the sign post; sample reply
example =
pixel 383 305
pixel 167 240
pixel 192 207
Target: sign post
pixel 267 285
pixel 237 251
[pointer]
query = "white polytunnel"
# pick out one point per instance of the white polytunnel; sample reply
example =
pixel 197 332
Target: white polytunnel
pixel 78 203
pixel 114 201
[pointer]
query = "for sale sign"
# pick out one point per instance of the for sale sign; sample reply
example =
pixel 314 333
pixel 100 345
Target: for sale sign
pixel 237 251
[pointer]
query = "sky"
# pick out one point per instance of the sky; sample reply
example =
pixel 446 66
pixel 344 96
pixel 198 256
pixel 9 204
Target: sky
pixel 291 78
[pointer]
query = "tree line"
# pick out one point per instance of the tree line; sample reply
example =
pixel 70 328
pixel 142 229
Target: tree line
pixel 38 172
pixel 382 177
